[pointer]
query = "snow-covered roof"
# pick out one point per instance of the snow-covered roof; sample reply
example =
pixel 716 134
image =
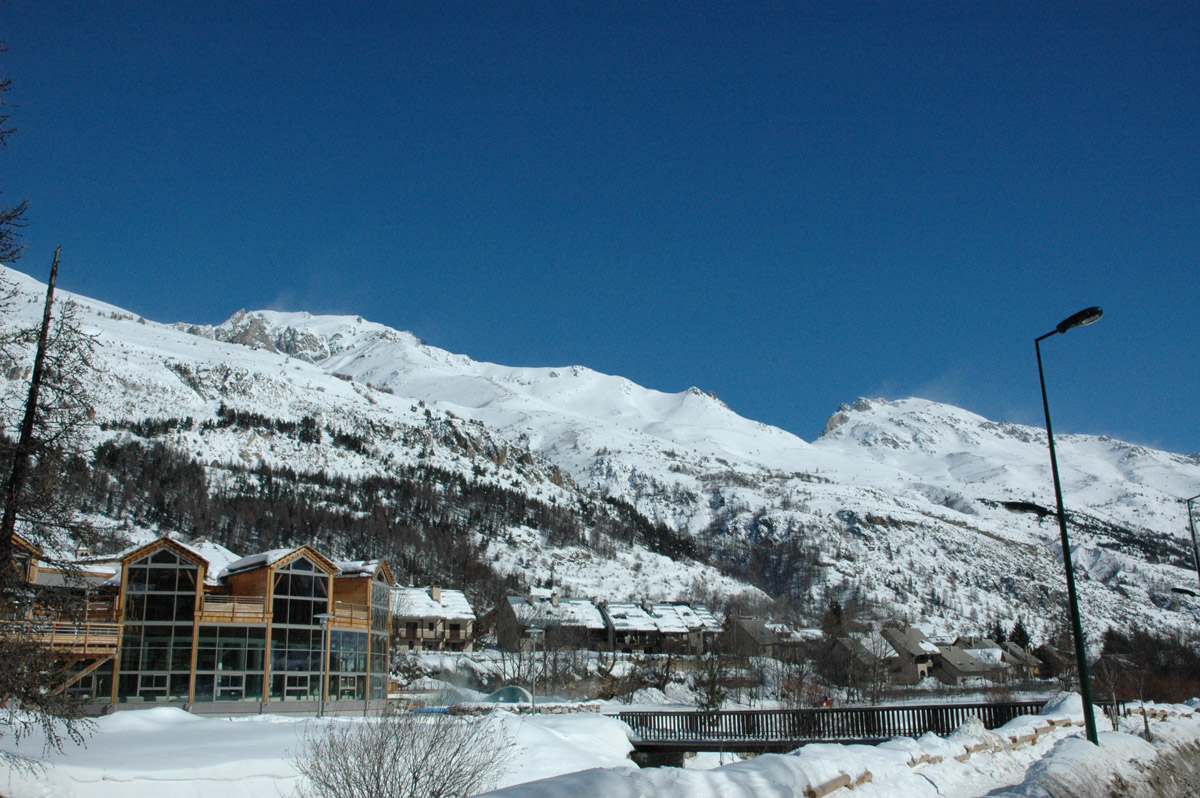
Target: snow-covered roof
pixel 992 657
pixel 670 618
pixel 419 602
pixel 263 558
pixel 542 611
pixel 268 558
pixel 912 640
pixel 357 567
pixel 967 661
pixel 217 556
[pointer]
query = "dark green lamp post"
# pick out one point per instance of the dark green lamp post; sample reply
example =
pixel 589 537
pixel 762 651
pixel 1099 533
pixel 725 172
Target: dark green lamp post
pixel 1080 319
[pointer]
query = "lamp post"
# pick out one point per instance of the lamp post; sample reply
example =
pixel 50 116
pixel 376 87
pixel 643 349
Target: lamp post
pixel 534 633
pixel 1192 527
pixel 324 619
pixel 1080 319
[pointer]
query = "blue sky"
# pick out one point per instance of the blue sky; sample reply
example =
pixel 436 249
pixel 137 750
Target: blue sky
pixel 788 204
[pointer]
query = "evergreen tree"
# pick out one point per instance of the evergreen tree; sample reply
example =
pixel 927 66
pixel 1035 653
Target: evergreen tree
pixel 1019 634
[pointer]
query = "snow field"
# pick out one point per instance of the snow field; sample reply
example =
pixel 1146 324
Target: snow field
pixel 166 751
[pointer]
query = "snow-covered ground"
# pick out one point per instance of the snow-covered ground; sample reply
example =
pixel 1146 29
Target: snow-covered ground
pixel 166 751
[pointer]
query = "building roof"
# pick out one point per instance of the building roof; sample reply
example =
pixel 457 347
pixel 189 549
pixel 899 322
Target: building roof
pixel 977 661
pixel 275 557
pixel 911 642
pixel 351 568
pixel 542 612
pixel 976 641
pixel 418 602
pixel 1015 653
pixel 757 630
pixel 674 617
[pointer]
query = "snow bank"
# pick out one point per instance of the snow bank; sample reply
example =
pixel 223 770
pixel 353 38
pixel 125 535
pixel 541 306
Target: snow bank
pixel 165 751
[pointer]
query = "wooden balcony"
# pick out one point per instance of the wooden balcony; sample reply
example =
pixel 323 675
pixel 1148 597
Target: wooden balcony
pixel 351 616
pixel 91 639
pixel 234 609
pixel 101 611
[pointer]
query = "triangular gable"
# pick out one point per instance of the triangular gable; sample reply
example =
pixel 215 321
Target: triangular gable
pixel 306 550
pixel 165 542
pixel 386 572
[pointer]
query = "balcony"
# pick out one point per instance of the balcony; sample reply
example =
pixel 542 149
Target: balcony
pixel 351 616
pixel 234 609
pixel 89 639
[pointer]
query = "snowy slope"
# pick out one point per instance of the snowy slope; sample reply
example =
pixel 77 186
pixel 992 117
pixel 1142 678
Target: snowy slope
pixel 931 512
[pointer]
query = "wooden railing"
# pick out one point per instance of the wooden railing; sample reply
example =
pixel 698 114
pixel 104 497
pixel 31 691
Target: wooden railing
pixel 77 638
pixel 785 729
pixel 234 609
pixel 353 616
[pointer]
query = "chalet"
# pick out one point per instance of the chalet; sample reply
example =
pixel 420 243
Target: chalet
pixel 916 655
pixel 567 622
pixel 957 665
pixel 751 637
pixel 1023 664
pixel 432 619
pixel 870 658
pixel 652 628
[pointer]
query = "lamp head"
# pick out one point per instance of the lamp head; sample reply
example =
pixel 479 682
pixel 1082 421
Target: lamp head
pixel 1081 319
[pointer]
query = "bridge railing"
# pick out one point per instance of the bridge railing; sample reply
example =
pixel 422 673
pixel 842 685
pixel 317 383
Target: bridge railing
pixel 820 723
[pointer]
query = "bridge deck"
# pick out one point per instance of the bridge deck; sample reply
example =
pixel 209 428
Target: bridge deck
pixel 777 730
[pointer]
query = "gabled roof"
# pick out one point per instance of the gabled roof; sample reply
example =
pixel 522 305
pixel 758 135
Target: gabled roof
pixel 963 661
pixel 277 558
pixel 542 612
pixel 347 568
pixel 186 552
pixel 758 631
pixel 418 602
pixel 667 618
pixel 976 641
pixel 1015 653
pixel 910 642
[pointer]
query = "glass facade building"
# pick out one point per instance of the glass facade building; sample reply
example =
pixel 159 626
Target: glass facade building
pixel 258 631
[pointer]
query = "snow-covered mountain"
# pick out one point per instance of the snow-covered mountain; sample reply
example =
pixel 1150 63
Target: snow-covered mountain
pixel 926 511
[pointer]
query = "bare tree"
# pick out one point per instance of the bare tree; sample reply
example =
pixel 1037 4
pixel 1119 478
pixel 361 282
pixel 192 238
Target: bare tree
pixel 712 680
pixel 403 755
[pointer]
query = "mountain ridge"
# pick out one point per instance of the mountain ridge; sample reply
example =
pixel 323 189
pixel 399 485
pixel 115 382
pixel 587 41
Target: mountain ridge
pixel 908 506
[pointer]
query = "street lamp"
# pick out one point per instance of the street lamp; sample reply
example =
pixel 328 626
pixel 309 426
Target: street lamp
pixel 534 633
pixel 1080 319
pixel 1192 526
pixel 324 619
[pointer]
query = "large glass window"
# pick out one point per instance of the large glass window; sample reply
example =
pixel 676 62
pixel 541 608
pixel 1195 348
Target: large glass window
pixel 348 664
pixel 229 663
pixel 301 592
pixel 156 647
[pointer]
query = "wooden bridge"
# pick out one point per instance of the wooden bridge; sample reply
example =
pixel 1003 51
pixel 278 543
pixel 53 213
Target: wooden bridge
pixel 781 730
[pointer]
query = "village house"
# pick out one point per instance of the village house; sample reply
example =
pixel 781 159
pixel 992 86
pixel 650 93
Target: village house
pixel 750 637
pixel 1024 665
pixel 565 622
pixel 656 628
pixel 432 619
pixel 916 654
pixel 957 665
